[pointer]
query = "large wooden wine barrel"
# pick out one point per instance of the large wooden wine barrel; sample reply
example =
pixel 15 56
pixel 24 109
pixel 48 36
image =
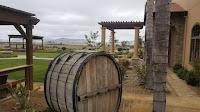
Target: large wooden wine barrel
pixel 83 82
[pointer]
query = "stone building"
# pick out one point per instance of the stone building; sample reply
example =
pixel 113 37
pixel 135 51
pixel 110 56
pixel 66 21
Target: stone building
pixel 184 43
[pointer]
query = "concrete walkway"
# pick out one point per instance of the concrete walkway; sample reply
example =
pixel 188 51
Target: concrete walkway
pixel 179 86
pixel 24 57
pixel 182 98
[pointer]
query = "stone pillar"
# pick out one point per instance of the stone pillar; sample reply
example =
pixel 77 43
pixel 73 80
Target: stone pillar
pixel 103 38
pixel 112 33
pixel 136 43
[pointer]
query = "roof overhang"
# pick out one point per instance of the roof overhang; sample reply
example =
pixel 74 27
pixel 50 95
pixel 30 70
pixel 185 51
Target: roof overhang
pixel 11 16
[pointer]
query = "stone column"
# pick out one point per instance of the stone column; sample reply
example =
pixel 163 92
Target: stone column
pixel 136 42
pixel 112 33
pixel 103 38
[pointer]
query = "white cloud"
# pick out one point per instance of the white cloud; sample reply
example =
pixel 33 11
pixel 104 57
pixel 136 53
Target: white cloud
pixel 74 18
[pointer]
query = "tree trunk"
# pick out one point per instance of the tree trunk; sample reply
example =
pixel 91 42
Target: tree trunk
pixel 149 37
pixel 160 53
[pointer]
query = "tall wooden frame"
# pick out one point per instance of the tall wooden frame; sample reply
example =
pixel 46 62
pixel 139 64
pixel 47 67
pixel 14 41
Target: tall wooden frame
pixel 18 18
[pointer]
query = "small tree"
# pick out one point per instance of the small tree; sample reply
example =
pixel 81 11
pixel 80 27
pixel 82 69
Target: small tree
pixel 64 48
pixel 92 39
pixel 124 43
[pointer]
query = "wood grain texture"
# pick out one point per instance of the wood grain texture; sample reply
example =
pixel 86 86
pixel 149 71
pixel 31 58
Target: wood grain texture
pixel 83 82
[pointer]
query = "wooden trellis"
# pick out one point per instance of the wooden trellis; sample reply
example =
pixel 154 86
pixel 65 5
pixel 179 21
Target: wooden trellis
pixel 18 18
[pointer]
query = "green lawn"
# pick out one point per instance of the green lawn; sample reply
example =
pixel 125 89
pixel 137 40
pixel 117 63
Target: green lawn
pixel 45 55
pixel 40 67
pixel 7 55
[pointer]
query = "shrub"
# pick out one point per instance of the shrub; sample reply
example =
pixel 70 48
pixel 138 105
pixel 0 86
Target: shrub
pixel 64 48
pixel 122 69
pixel 141 72
pixel 141 53
pixel 191 77
pixel 119 49
pixel 182 73
pixel 22 97
pixel 196 69
pixel 130 55
pixel 177 67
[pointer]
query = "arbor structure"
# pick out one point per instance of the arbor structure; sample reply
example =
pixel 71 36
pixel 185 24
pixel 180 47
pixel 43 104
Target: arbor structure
pixel 160 53
pixel 112 26
pixel 18 18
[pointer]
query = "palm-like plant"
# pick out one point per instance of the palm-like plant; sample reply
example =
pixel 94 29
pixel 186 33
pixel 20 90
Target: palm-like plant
pixel 160 53
pixel 149 39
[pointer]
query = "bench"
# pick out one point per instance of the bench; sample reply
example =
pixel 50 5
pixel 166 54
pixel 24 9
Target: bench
pixel 3 79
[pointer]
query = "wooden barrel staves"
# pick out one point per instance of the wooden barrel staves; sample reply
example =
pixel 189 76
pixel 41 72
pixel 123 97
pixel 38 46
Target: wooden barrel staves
pixel 83 82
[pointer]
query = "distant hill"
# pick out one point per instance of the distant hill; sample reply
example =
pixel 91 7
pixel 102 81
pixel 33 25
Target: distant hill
pixel 67 41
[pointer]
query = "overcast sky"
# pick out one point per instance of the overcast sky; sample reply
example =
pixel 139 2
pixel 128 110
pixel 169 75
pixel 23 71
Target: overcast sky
pixel 74 18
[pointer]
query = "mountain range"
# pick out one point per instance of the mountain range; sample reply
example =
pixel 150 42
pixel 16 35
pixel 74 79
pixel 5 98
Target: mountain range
pixel 67 41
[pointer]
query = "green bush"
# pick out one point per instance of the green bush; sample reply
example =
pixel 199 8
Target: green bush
pixel 196 69
pixel 191 77
pixel 141 73
pixel 63 48
pixel 177 67
pixel 182 73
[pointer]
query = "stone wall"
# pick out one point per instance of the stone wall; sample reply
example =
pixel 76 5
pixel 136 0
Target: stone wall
pixel 176 39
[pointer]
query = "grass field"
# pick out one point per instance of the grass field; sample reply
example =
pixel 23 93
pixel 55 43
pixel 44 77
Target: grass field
pixel 7 55
pixel 40 67
pixel 41 54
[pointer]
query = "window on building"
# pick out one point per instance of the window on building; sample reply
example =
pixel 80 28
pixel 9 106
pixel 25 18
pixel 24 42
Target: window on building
pixel 195 43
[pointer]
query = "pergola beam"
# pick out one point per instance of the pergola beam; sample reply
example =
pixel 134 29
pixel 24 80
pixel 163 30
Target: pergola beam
pixel 121 25
pixel 21 31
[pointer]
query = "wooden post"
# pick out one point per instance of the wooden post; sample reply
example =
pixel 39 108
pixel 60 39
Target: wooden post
pixel 136 42
pixel 112 41
pixel 103 38
pixel 23 42
pixel 42 44
pixel 9 43
pixel 29 58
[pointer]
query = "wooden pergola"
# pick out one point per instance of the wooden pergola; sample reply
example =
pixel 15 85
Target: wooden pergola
pixel 18 18
pixel 23 42
pixel 112 26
